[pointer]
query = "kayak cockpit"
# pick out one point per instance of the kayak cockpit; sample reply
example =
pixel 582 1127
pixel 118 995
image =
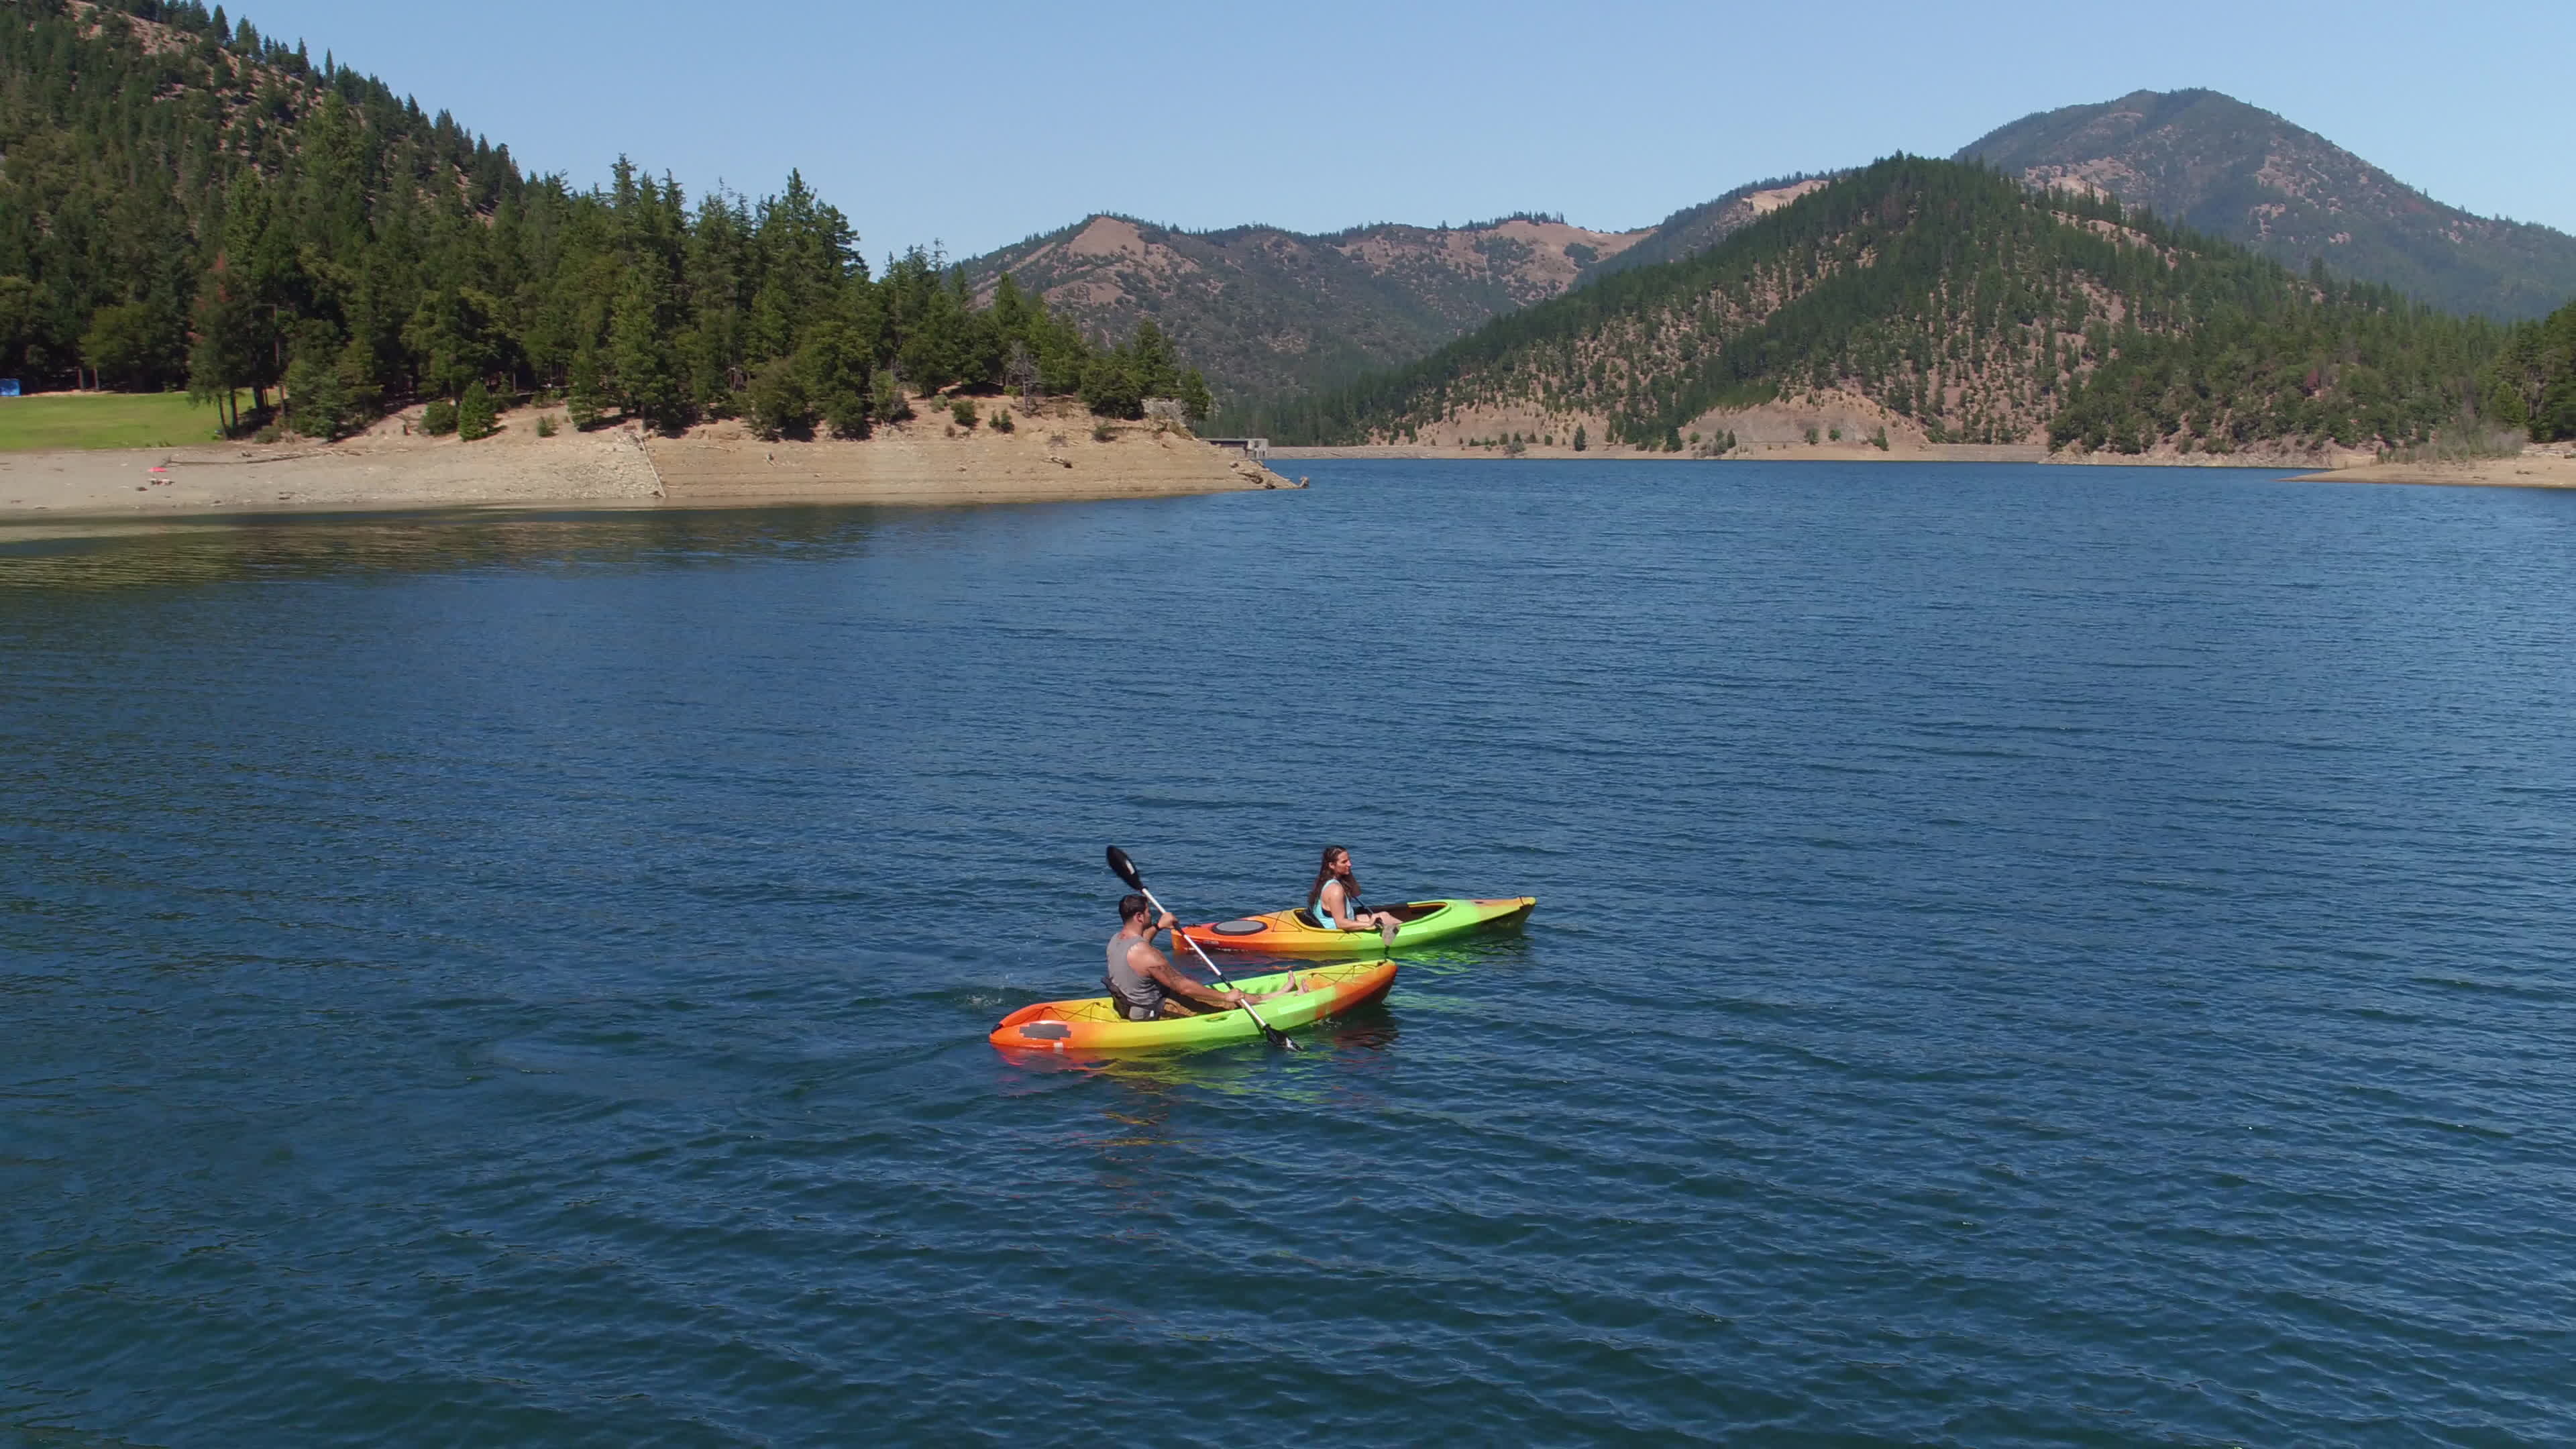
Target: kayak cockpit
pixel 1405 915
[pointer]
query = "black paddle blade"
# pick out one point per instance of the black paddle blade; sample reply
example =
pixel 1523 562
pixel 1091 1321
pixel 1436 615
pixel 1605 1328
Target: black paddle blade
pixel 1125 868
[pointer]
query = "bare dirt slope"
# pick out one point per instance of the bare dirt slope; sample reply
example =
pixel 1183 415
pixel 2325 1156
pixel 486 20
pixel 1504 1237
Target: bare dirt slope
pixel 929 460
pixel 932 460
pixel 384 468
pixel 2540 467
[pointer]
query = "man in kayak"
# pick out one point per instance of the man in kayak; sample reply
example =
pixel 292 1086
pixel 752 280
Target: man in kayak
pixel 1144 984
pixel 1335 895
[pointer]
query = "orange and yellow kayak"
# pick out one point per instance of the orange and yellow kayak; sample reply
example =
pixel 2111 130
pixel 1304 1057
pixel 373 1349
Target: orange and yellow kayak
pixel 1091 1025
pixel 1299 933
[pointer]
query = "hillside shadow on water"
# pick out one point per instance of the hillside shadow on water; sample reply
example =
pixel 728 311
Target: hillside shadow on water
pixel 183 552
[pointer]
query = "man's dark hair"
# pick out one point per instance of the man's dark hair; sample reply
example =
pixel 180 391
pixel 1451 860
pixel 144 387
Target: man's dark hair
pixel 1133 905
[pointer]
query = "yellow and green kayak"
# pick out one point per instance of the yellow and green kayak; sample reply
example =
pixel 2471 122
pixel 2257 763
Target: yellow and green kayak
pixel 1091 1024
pixel 1299 933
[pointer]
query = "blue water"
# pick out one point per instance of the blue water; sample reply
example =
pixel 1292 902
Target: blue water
pixel 2024 956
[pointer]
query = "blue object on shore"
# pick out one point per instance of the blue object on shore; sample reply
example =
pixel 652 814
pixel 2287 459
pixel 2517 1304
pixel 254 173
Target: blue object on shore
pixel 8 387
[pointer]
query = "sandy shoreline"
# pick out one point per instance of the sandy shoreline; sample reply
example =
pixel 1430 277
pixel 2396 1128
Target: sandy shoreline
pixel 1852 452
pixel 2549 466
pixel 1898 451
pixel 925 461
pixel 2536 468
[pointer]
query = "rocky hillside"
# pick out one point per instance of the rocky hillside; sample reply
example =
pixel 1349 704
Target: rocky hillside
pixel 1267 312
pixel 1941 303
pixel 2221 166
pixel 1697 228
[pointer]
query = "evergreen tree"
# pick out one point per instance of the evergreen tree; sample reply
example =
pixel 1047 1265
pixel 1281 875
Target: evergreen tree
pixel 833 368
pixel 475 415
pixel 886 399
pixel 586 401
pixel 1110 388
pixel 779 406
pixel 226 353
pixel 1150 361
pixel 641 354
pixel 127 347
pixel 1195 398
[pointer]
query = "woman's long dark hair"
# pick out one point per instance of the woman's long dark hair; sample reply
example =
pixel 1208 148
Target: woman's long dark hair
pixel 1324 872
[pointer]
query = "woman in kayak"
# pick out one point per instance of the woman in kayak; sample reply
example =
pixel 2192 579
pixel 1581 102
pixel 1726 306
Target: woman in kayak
pixel 1144 984
pixel 1334 898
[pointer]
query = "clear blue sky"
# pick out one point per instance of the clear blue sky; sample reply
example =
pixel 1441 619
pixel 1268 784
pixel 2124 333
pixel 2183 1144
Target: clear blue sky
pixel 980 124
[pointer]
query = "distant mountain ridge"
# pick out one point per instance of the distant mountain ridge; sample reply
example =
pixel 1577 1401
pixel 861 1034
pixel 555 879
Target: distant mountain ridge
pixel 1938 302
pixel 2236 171
pixel 1266 311
pixel 1273 315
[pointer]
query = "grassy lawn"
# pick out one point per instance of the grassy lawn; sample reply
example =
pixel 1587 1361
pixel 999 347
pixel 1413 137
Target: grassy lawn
pixel 103 420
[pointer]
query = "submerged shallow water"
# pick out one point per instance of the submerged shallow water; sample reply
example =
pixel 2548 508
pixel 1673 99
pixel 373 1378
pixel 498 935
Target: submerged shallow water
pixel 2024 956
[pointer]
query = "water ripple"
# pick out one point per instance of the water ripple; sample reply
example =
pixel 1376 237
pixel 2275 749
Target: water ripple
pixel 2026 956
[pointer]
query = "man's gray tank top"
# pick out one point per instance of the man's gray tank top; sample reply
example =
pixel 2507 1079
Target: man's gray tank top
pixel 1125 982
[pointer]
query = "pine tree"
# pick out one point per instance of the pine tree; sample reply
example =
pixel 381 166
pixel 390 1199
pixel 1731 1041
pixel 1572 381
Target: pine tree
pixel 640 351
pixel 226 354
pixel 585 401
pixel 475 415
pixel 1196 400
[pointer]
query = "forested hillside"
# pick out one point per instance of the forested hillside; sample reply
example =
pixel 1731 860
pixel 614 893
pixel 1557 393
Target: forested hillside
pixel 1956 303
pixel 185 200
pixel 2234 171
pixel 2534 382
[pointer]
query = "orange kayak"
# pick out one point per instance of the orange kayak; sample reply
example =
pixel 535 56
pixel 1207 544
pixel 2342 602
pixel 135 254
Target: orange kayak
pixel 1090 1024
pixel 1299 933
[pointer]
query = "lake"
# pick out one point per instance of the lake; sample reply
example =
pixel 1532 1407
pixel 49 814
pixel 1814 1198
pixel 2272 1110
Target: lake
pixel 2024 956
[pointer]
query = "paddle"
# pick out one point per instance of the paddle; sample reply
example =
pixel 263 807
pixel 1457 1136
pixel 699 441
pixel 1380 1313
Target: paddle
pixel 1126 870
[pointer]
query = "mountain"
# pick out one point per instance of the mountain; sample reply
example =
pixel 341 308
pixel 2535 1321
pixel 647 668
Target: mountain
pixel 2234 171
pixel 1933 300
pixel 1273 315
pixel 1268 312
